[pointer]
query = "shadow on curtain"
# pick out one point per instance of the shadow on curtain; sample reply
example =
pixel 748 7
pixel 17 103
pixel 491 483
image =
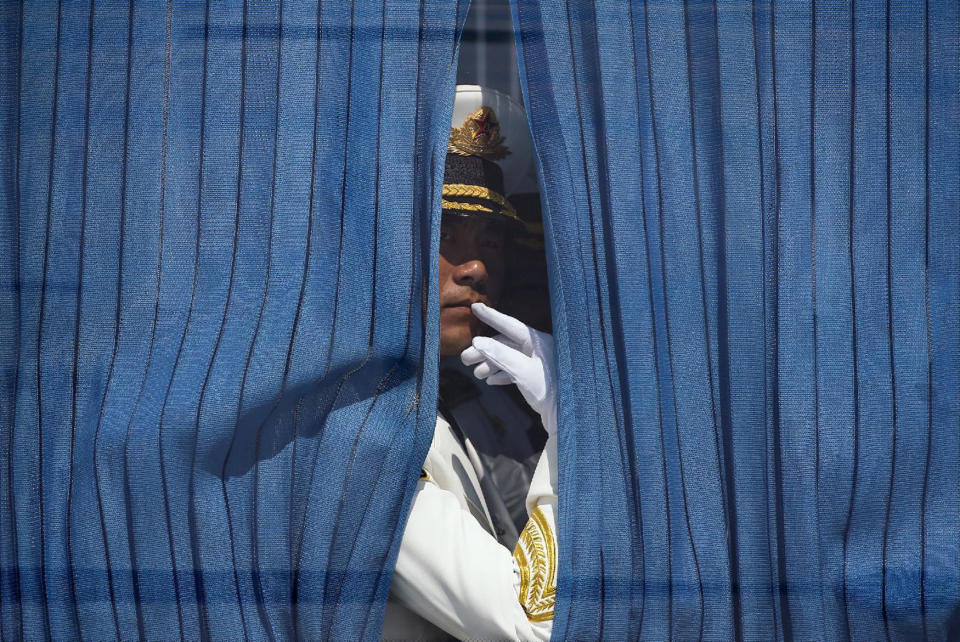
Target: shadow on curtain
pixel 755 246
pixel 218 251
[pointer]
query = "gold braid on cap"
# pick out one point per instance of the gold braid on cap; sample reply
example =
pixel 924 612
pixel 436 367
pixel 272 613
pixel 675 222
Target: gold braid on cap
pixel 536 555
pixel 479 135
pixel 455 190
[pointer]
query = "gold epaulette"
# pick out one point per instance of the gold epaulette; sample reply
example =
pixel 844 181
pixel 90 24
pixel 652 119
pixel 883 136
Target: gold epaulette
pixel 536 555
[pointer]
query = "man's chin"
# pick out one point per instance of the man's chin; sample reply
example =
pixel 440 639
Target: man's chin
pixel 452 343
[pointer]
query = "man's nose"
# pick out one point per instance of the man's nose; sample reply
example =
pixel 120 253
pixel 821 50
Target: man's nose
pixel 472 273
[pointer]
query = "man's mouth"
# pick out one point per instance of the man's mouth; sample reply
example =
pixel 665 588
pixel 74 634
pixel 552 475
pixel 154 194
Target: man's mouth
pixel 459 310
pixel 461 304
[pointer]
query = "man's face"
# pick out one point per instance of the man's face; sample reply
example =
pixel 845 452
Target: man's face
pixel 471 270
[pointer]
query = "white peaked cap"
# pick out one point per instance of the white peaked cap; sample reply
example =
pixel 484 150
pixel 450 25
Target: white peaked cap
pixel 519 174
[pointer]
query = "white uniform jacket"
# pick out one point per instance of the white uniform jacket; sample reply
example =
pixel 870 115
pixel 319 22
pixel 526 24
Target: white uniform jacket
pixel 452 575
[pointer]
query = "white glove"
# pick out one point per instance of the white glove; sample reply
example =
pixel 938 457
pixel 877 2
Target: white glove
pixel 519 355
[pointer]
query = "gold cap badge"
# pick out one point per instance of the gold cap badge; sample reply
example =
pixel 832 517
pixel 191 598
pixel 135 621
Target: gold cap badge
pixel 479 135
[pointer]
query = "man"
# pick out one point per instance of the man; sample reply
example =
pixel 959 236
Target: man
pixel 453 577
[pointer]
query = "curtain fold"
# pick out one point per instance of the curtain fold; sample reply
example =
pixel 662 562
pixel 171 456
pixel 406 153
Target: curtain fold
pixel 218 273
pixel 752 226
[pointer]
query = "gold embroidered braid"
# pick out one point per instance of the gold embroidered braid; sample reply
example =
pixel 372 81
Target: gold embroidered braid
pixel 536 555
pixel 469 207
pixel 478 191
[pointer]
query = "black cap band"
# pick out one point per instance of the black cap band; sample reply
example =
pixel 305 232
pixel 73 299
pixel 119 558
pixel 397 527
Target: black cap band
pixel 473 186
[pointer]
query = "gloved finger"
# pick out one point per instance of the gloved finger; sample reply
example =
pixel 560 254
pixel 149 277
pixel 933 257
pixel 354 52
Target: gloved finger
pixel 514 329
pixel 502 356
pixel 499 378
pixel 485 369
pixel 507 341
pixel 471 356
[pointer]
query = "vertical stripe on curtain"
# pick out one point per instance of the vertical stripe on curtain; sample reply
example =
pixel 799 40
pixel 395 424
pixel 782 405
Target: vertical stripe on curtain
pixel 218 279
pixel 754 239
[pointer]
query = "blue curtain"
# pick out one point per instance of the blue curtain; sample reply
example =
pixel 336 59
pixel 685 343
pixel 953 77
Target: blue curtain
pixel 217 267
pixel 753 224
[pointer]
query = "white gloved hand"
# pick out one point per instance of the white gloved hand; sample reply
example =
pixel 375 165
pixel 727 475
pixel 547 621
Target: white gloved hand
pixel 519 355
